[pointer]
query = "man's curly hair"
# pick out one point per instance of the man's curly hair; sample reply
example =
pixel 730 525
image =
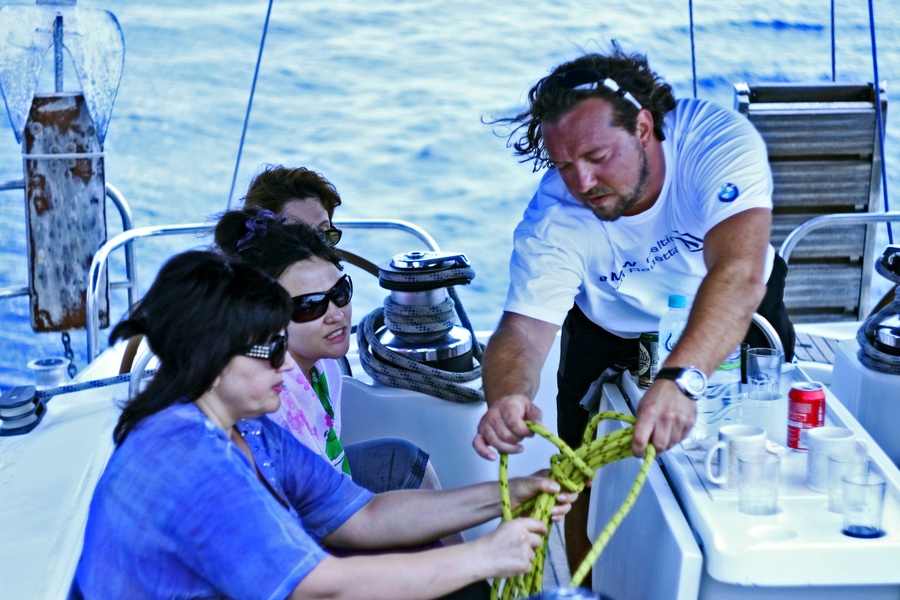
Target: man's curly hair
pixel 552 97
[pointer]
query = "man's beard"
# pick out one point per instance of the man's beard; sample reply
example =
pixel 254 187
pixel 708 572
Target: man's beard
pixel 624 202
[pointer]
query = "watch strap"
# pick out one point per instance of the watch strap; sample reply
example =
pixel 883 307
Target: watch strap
pixel 672 373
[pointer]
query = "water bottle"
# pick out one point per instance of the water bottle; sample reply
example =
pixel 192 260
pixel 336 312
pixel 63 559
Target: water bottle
pixel 725 381
pixel 671 325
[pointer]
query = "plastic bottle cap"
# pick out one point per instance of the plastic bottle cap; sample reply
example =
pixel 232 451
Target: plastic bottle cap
pixel 677 301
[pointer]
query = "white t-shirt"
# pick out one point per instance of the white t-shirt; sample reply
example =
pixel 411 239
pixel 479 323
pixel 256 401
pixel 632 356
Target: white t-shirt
pixel 621 273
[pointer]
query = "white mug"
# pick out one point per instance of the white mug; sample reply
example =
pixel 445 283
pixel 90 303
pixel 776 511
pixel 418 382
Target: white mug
pixel 822 441
pixel 734 440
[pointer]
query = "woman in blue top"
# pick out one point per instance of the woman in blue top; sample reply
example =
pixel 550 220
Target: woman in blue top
pixel 204 497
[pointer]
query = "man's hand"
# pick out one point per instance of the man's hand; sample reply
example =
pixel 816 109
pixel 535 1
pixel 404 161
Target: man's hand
pixel 511 372
pixel 503 426
pixel 664 417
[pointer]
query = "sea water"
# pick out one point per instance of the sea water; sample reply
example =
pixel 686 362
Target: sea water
pixel 389 100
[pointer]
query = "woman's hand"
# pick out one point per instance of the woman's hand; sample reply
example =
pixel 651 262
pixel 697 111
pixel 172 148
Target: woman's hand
pixel 509 550
pixel 523 489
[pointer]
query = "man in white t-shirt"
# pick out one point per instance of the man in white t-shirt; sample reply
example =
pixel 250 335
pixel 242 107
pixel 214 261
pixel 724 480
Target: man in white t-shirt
pixel 645 196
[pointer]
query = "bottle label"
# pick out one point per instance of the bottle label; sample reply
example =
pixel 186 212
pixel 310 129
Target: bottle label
pixel 732 361
pixel 725 381
pixel 648 358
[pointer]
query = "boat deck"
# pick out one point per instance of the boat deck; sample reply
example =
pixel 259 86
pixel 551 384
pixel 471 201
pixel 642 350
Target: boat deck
pixel 556 565
pixel 817 342
pixel 815 348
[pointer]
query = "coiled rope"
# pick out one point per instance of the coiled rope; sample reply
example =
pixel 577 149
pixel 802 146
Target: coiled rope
pixel 868 354
pixel 420 324
pixel 571 468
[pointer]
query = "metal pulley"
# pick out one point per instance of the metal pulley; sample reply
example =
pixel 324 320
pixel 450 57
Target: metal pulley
pixel 419 313
pixel 887 338
pixel 422 271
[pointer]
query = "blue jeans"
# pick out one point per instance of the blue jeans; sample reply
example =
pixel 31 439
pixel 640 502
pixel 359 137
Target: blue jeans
pixel 386 464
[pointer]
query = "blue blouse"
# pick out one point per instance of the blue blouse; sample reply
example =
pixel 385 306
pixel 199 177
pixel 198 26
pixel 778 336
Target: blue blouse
pixel 180 512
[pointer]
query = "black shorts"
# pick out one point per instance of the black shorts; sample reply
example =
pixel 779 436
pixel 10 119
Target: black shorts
pixel 586 350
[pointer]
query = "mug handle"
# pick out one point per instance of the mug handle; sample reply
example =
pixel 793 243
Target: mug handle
pixel 722 477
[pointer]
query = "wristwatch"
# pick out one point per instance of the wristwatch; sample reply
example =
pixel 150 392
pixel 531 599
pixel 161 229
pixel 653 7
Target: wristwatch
pixel 690 380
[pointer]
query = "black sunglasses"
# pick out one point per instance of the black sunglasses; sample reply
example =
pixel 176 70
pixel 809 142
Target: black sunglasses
pixel 332 235
pixel 274 351
pixel 588 79
pixel 310 307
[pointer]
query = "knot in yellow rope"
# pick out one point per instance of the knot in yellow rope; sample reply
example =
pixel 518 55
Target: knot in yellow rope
pixel 571 469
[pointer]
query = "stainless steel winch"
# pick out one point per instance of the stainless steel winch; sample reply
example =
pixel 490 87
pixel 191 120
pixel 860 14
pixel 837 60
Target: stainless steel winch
pixel 420 314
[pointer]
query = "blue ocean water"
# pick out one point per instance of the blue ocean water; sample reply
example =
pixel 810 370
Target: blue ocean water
pixel 388 100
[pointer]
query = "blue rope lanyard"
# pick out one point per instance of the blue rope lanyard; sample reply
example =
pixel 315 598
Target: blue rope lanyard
pixel 878 112
pixel 879 119
pixel 693 47
pixel 262 45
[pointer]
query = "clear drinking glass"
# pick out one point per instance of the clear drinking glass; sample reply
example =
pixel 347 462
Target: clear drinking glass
pixel 758 484
pixel 863 503
pixel 841 464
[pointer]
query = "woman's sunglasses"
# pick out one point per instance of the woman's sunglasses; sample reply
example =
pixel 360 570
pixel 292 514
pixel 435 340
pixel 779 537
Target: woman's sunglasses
pixel 332 235
pixel 310 307
pixel 274 351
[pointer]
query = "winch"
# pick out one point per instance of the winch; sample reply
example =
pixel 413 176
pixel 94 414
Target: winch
pixel 865 375
pixel 419 315
pixel 414 341
pixel 879 336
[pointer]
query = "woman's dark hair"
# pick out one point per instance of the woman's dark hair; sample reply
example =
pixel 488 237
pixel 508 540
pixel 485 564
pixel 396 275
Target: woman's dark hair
pixel 201 311
pixel 551 98
pixel 259 238
pixel 278 185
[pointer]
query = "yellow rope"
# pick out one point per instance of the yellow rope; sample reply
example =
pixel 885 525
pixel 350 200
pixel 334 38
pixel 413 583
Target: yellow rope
pixel 571 468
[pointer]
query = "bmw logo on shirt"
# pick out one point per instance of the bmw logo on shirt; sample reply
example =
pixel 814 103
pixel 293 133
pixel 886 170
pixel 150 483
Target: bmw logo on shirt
pixel 728 193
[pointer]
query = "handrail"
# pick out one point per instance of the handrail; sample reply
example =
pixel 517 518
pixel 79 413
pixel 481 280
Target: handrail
pixel 794 237
pixel 126 238
pixel 771 335
pixel 130 261
pixel 98 267
pixel 396 224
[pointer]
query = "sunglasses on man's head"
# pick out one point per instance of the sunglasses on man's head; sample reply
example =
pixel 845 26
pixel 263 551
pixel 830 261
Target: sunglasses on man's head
pixel 581 80
pixel 274 351
pixel 310 307
pixel 332 235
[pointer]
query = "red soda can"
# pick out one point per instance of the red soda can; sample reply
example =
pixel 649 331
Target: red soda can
pixel 806 409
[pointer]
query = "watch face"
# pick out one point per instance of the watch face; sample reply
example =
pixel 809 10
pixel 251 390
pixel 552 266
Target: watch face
pixel 693 381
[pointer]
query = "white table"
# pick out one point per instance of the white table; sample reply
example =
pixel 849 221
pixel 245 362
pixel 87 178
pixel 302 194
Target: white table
pixel 798 552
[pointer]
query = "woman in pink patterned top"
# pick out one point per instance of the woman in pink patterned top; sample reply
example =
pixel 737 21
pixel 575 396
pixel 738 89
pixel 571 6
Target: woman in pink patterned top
pixel 305 263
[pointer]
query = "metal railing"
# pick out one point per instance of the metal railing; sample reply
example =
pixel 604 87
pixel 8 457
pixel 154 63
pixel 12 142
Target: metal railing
pixel 771 335
pixel 127 239
pixel 863 283
pixel 794 237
